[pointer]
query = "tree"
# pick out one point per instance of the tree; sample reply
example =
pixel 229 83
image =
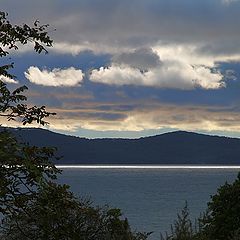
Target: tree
pixel 223 219
pixel 32 205
pixel 22 167
pixel 11 36
pixel 57 214
pixel 35 207
pixel 182 229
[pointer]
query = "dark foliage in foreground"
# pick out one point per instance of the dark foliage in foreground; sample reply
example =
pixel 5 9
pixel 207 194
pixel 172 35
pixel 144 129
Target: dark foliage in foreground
pixel 182 228
pixel 56 214
pixel 220 222
pixel 223 219
pixel 12 36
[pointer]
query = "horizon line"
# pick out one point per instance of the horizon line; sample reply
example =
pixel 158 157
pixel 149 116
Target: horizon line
pixel 194 131
pixel 148 167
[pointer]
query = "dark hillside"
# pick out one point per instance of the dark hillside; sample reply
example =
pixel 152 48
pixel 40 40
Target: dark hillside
pixel 170 148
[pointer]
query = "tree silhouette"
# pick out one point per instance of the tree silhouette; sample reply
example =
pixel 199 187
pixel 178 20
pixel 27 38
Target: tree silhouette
pixel 223 219
pixel 11 37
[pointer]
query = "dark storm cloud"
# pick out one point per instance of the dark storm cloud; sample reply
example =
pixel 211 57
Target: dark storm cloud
pixel 142 58
pixel 220 47
pixel 136 23
pixel 118 108
pixel 96 116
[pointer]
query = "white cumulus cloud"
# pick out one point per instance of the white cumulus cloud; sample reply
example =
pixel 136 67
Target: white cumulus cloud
pixel 166 66
pixel 7 80
pixel 170 74
pixel 118 75
pixel 56 77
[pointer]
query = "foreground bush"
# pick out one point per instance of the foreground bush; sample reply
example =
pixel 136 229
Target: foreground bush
pixel 56 214
pixel 221 221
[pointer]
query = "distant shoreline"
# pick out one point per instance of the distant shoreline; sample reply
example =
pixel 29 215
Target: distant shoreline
pixel 146 167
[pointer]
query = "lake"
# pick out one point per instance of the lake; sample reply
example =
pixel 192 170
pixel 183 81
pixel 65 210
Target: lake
pixel 149 198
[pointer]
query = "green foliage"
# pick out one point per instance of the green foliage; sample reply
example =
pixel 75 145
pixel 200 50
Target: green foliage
pixel 12 108
pixel 11 36
pixel 22 169
pixel 56 214
pixel 182 229
pixel 223 219
pixel 33 206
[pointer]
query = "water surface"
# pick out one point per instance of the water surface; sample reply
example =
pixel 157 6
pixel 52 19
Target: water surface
pixel 149 198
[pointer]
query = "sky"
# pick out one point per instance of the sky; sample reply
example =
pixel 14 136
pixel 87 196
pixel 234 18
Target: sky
pixel 134 68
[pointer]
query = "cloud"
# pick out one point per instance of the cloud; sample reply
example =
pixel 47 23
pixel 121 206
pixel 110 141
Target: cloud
pixel 142 58
pixel 57 77
pixel 148 115
pixel 77 48
pixel 141 115
pixel 172 75
pixel 144 68
pixel 7 80
pixel 111 25
pixel 117 75
pixel 132 31
pixel 227 2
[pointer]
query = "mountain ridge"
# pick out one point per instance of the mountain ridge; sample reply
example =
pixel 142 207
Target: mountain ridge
pixel 179 147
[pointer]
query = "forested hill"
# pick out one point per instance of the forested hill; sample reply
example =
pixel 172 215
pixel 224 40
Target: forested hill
pixel 171 148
